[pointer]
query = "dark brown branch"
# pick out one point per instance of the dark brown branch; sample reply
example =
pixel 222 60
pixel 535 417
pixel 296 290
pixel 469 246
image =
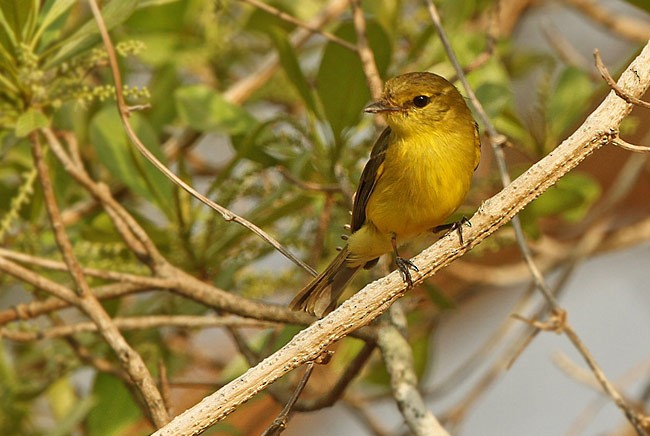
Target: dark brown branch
pixel 279 424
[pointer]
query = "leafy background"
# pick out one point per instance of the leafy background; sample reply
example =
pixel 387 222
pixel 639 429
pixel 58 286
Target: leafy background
pixel 253 148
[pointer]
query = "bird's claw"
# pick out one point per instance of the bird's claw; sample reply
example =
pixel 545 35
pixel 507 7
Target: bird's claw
pixel 404 265
pixel 456 226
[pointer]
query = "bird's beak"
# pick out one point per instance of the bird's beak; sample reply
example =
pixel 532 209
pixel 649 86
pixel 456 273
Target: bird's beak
pixel 380 106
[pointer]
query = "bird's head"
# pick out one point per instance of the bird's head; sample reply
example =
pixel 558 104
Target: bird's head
pixel 415 101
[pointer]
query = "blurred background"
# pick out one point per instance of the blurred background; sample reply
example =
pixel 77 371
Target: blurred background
pixel 266 119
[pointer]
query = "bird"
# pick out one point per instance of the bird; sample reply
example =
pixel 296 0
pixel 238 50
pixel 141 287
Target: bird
pixel 419 172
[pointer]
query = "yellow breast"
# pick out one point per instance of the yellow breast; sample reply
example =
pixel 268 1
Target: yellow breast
pixel 423 180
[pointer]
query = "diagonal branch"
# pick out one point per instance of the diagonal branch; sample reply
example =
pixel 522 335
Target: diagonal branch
pixel 375 298
pixel 293 20
pixel 129 359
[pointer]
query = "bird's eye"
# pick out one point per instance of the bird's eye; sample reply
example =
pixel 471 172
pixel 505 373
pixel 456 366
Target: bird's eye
pixel 421 101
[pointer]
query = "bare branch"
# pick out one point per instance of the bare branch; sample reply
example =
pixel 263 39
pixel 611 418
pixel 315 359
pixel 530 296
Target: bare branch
pixel 365 52
pixel 375 298
pixel 398 359
pixel 630 147
pixel 496 141
pixel 130 360
pixel 612 83
pixel 34 309
pixel 280 422
pixel 137 323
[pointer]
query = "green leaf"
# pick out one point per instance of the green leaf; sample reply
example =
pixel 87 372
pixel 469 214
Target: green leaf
pixel 262 21
pixel 204 109
pixel 113 13
pixel 509 124
pixel 292 68
pixel 568 102
pixel 114 150
pixel 571 197
pixel 15 16
pixel 495 97
pixel 29 121
pixel 53 9
pixel 342 86
pixel 115 410
pixel 50 13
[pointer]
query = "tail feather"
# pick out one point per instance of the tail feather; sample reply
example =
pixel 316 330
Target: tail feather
pixel 319 297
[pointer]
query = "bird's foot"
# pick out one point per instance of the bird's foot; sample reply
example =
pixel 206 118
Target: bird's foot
pixel 456 226
pixel 404 265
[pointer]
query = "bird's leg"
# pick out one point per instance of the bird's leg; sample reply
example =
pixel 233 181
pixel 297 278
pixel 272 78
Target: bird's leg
pixel 404 265
pixel 455 226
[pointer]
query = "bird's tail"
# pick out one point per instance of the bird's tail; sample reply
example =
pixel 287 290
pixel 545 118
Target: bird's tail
pixel 319 297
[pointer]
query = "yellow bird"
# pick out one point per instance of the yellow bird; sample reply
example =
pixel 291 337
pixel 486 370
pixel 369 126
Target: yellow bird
pixel 419 172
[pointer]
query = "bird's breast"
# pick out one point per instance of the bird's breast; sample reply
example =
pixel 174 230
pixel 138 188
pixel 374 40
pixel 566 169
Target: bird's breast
pixel 423 181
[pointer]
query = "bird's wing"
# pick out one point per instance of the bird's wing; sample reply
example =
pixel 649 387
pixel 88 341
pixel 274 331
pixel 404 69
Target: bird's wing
pixel 477 144
pixel 371 173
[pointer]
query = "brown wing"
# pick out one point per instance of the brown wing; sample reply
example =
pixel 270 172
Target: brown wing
pixel 368 180
pixel 477 143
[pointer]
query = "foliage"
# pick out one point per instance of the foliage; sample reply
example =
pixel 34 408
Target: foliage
pixel 185 57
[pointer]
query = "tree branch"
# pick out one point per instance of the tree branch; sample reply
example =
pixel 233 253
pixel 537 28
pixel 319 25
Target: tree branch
pixel 398 359
pixel 375 298
pixel 129 359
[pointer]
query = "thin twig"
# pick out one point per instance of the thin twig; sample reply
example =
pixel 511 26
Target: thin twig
pixel 154 282
pixel 137 323
pixel 164 385
pixel 124 112
pixel 129 359
pixel 630 147
pixel 352 369
pixel 24 311
pixel 293 20
pixel 602 69
pixel 365 52
pixel 280 422
pixel 564 49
